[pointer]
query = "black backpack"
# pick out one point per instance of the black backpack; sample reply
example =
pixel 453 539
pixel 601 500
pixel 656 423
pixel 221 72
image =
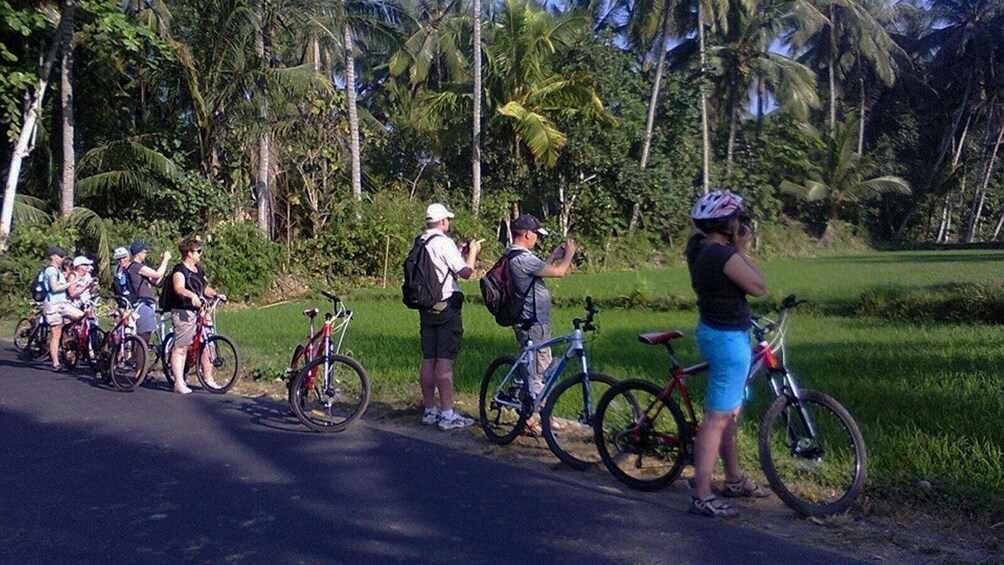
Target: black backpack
pixel 499 293
pixel 121 284
pixel 39 287
pixel 422 288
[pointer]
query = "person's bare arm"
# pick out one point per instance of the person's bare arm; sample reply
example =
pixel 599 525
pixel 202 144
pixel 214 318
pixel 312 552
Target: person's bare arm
pixel 473 248
pixel 178 281
pixel 560 261
pixel 741 269
pixel 153 275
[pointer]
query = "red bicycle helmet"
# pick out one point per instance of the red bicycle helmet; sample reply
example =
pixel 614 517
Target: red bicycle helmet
pixel 717 205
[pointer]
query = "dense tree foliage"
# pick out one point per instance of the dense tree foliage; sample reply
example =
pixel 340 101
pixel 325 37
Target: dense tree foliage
pixel 329 124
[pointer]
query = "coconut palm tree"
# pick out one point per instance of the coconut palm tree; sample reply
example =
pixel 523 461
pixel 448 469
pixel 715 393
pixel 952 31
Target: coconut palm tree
pixel 841 176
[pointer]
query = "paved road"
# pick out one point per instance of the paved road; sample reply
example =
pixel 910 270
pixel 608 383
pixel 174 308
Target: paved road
pixel 92 475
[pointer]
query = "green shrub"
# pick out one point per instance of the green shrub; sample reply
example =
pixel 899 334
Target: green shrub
pixel 240 261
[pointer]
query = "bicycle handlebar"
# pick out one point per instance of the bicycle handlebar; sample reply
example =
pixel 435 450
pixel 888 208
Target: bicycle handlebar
pixel 333 298
pixel 586 324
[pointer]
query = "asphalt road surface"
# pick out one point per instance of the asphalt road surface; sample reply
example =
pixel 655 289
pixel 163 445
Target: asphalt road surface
pixel 92 475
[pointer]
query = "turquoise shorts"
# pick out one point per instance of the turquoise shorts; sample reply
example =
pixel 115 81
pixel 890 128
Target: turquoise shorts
pixel 728 354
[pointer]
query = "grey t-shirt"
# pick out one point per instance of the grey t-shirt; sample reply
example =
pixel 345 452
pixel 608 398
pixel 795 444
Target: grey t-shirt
pixel 524 269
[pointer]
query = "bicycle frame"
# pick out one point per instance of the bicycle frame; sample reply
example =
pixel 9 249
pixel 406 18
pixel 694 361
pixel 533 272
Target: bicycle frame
pixel 205 327
pixel 527 362
pixel 83 327
pixel 320 343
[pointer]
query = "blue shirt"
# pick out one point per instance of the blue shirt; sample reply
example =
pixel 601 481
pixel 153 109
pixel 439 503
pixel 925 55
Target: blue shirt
pixel 50 272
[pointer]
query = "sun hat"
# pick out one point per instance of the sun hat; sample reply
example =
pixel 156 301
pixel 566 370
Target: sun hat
pixel 81 260
pixel 437 212
pixel 528 222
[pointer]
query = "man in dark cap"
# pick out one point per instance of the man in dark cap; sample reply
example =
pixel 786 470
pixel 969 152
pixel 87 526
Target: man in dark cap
pixel 141 281
pixel 527 272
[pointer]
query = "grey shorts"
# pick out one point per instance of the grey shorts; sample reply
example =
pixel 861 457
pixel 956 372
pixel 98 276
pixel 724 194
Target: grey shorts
pixel 442 332
pixel 54 313
pixel 184 326
pixel 146 319
pixel 539 333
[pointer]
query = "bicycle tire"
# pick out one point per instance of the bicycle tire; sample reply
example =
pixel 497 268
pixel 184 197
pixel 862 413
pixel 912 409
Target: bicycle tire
pixel 69 355
pixel 567 420
pixel 221 353
pixel 643 441
pixel 166 348
pixel 22 333
pixel 153 352
pixel 127 365
pixel 38 344
pixel 504 402
pixel 97 337
pixel 815 477
pixel 295 366
pixel 332 406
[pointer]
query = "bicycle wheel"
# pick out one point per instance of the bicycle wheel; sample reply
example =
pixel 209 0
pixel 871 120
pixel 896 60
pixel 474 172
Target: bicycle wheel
pixel 38 344
pixel 642 440
pixel 22 333
pixel 295 366
pixel 68 348
pixel 97 339
pixel 330 402
pixel 816 464
pixel 165 357
pixel 567 418
pixel 504 401
pixel 153 351
pixel 127 365
pixel 219 356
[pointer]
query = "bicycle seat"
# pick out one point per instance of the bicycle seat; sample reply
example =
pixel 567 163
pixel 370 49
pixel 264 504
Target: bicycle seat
pixel 656 338
pixel 311 313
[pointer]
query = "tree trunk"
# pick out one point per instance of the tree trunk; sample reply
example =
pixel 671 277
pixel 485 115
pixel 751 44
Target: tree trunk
pixel 833 74
pixel 731 147
pixel 263 181
pixel 350 87
pixel 942 153
pixel 861 117
pixel 653 102
pixel 476 134
pixel 705 135
pixel 67 186
pixel 986 180
pixel 24 137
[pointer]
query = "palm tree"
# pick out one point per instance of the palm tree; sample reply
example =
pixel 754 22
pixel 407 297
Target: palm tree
pixel 825 31
pixel 841 177
pixel 476 120
pixel 66 102
pixel 26 135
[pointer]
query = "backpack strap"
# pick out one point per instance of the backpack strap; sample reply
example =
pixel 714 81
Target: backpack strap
pixel 425 247
pixel 512 254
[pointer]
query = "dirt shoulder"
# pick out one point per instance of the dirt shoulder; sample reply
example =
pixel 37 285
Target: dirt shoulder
pixel 875 535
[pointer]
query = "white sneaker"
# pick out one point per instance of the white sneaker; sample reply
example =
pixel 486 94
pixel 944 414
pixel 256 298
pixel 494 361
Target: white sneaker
pixel 456 421
pixel 210 383
pixel 430 417
pixel 182 390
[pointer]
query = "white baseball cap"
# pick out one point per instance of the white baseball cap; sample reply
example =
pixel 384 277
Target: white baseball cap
pixel 120 253
pixel 437 212
pixel 81 260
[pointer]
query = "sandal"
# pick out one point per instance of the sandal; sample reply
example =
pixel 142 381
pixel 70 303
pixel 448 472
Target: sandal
pixel 711 507
pixel 743 488
pixel 532 427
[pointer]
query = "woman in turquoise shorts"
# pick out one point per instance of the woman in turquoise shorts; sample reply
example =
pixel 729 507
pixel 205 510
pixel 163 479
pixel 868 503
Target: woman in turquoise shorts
pixel 722 275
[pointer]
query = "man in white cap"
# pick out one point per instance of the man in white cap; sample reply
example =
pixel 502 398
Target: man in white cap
pixel 120 274
pixel 442 326
pixel 527 272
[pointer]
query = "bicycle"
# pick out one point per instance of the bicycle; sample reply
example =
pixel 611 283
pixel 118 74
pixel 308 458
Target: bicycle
pixel 212 354
pixel 810 448
pixel 31 334
pixel 331 390
pixel 121 359
pixel 567 407
pixel 81 339
pixel 156 349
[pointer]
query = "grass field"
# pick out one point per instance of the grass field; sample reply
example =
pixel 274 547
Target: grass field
pixel 928 396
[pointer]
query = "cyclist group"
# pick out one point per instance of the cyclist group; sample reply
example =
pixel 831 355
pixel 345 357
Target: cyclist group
pixel 721 272
pixel 722 275
pixel 66 291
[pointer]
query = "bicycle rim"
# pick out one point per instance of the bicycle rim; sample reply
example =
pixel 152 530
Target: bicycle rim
pixel 128 363
pixel 503 402
pixel 568 417
pixel 328 397
pixel 642 441
pixel 818 474
pixel 219 364
pixel 22 333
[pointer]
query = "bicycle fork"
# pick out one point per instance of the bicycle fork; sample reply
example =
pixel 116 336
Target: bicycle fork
pixel 803 445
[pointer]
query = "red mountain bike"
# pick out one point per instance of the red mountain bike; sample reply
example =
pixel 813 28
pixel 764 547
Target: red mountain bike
pixel 214 356
pixel 81 340
pixel 811 449
pixel 122 355
pixel 327 390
